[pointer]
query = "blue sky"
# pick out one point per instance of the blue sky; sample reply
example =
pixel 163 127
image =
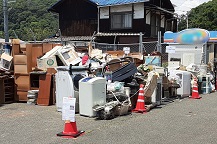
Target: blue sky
pixel 183 6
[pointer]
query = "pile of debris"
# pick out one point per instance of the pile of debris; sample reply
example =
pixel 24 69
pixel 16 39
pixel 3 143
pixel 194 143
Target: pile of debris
pixel 105 84
pixel 122 76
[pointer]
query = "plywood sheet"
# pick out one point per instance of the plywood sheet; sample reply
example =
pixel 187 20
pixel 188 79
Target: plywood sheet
pixel 22 95
pixel 44 90
pixel 22 82
pixel 47 47
pixel 20 59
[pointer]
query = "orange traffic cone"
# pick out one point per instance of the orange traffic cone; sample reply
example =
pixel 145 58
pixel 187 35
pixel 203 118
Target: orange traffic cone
pixel 195 93
pixel 70 130
pixel 140 105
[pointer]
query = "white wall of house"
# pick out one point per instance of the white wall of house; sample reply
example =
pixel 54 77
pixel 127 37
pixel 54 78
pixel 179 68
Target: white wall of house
pixel 104 13
pixel 138 10
pixel 139 13
pixel 121 8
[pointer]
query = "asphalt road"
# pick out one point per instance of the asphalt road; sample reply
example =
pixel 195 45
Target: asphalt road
pixel 186 121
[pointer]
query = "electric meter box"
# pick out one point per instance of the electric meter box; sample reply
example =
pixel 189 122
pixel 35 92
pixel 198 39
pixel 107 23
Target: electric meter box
pixel 92 91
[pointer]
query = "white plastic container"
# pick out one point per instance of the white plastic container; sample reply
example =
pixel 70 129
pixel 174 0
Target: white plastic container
pixel 185 83
pixel 92 91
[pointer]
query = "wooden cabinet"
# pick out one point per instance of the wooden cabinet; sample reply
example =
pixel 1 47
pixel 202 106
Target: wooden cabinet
pixel 7 90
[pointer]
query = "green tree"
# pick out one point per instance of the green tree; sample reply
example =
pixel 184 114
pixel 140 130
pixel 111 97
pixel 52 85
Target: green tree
pixel 30 14
pixel 204 16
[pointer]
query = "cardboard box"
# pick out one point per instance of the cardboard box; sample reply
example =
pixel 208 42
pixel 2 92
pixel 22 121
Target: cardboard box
pixel 116 54
pixel 15 41
pixel 165 83
pixel 21 69
pixel 22 82
pixel 20 59
pixel 136 55
pixel 150 87
pixel 51 71
pixel 96 53
pixel 47 63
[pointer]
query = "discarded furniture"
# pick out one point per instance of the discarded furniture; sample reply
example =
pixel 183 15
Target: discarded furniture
pixel 25 61
pixel 7 89
pixel 44 90
pixel 67 78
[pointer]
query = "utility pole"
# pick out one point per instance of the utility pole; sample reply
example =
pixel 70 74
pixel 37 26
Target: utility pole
pixel 187 21
pixel 188 12
pixel 5 11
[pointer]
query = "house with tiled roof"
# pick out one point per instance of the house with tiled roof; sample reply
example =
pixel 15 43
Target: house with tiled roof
pixel 123 19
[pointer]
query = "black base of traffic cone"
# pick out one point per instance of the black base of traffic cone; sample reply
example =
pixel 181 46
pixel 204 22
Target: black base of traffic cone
pixel 61 134
pixel 70 130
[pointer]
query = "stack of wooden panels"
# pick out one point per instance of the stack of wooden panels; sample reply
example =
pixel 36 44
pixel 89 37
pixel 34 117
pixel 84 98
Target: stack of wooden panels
pixel 25 61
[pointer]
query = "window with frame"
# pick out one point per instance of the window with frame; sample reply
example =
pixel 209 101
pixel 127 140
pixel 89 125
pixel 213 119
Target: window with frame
pixel 121 20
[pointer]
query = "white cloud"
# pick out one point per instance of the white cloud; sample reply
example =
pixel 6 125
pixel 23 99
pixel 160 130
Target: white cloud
pixel 183 6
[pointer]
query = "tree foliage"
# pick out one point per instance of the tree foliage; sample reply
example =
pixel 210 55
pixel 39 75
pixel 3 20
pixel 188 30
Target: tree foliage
pixel 204 16
pixel 24 15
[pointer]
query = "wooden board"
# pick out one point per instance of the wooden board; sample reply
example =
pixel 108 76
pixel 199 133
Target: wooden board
pixel 20 59
pixel 21 96
pixel 21 69
pixel 36 52
pixel 15 49
pixel 33 51
pixel 2 96
pixel 22 81
pixel 44 90
pixel 47 47
pixel 116 54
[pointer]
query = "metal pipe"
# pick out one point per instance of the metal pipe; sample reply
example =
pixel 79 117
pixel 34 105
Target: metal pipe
pixel 33 35
pixel 187 21
pixel 115 48
pixel 140 43
pixel 188 12
pixel 15 34
pixel 61 38
pixel 98 20
pixel 5 11
pixel 160 49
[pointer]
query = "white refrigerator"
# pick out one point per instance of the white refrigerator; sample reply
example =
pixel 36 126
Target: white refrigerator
pixel 185 83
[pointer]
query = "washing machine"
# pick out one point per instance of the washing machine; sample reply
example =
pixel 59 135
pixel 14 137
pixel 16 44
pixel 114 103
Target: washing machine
pixel 92 92
pixel 67 84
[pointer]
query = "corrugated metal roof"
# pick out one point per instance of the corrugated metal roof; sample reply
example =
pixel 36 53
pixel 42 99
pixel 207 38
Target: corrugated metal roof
pixel 115 2
pixel 69 38
pixel 117 34
pixel 102 3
